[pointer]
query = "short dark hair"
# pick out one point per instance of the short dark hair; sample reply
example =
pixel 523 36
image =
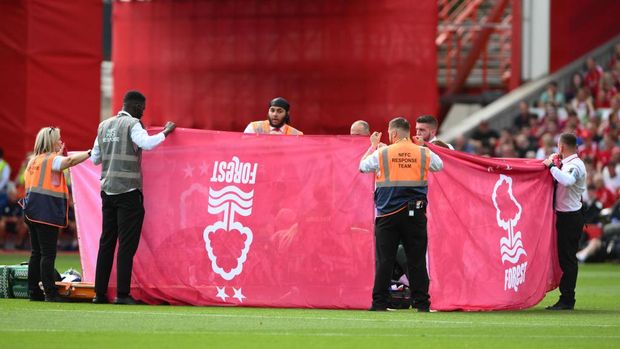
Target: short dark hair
pixel 569 140
pixel 427 119
pixel 400 123
pixel 133 97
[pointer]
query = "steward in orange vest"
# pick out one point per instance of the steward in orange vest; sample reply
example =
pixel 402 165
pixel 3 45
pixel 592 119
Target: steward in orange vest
pixel 46 200
pixel 277 122
pixel 46 208
pixel 400 197
pixel 402 175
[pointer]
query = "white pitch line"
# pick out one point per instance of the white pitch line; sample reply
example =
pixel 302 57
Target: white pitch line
pixel 323 318
pixel 321 334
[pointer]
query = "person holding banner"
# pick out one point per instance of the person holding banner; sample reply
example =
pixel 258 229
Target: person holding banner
pixel 400 198
pixel 118 146
pixel 426 129
pixel 46 208
pixel 278 120
pixel 570 175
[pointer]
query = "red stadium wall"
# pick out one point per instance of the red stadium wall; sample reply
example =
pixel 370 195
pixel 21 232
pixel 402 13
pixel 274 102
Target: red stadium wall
pixel 50 62
pixel 216 64
pixel 578 26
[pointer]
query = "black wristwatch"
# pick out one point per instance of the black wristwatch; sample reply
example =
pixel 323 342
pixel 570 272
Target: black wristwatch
pixel 551 165
pixel 89 152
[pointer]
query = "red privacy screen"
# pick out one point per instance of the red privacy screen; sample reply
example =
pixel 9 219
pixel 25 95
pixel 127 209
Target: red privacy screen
pixel 216 64
pixel 50 63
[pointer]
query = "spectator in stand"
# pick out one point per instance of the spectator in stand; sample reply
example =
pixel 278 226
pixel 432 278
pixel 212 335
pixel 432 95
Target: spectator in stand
pixel 524 147
pixel 525 116
pixel 593 228
pixel 583 105
pixel 604 195
pixel 505 142
pixel 572 122
pixel 484 138
pixel 611 177
pixel 615 74
pixel 605 149
pixel 589 163
pixel 606 91
pixel 461 144
pixel 551 96
pixel 614 109
pixel 593 75
pixel 588 149
pixel 548 146
pixel 12 221
pixel 615 57
pixel 575 85
pixel 5 174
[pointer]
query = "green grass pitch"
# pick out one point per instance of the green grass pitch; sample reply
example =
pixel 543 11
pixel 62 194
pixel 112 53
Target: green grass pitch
pixel 594 324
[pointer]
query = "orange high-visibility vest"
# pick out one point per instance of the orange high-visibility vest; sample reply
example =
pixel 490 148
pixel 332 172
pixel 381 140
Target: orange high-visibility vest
pixel 46 200
pixel 264 127
pixel 403 164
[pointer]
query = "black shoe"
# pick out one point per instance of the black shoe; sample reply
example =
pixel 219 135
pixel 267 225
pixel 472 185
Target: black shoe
pixel 380 308
pixel 423 309
pixel 100 300
pixel 36 296
pixel 54 298
pixel 126 300
pixel 561 306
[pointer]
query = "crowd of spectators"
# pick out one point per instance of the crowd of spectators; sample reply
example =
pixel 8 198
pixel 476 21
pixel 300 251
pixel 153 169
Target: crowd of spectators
pixel 589 107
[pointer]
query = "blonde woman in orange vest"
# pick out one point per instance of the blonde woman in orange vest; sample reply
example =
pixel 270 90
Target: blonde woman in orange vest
pixel 277 122
pixel 46 208
pixel 400 197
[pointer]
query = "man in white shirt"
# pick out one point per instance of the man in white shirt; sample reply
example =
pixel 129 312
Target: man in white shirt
pixel 118 147
pixel 571 179
pixel 278 120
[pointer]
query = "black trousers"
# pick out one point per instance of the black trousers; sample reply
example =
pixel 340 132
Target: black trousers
pixel 389 232
pixel 568 226
pixel 43 239
pixel 123 215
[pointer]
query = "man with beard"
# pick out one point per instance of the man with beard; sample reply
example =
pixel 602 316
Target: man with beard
pixel 426 131
pixel 277 122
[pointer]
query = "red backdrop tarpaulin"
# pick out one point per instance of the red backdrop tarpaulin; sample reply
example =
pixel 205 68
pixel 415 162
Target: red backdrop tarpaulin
pixel 216 64
pixel 50 63
pixel 265 220
pixel 579 27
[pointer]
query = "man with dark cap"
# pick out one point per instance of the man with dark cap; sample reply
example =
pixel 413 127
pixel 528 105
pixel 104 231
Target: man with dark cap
pixel 277 122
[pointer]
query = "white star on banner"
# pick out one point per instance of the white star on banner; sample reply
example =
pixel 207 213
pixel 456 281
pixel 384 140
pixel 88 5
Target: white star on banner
pixel 238 294
pixel 203 168
pixel 189 171
pixel 221 293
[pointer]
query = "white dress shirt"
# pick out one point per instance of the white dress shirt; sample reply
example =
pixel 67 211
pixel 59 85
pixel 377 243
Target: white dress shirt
pixel 572 183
